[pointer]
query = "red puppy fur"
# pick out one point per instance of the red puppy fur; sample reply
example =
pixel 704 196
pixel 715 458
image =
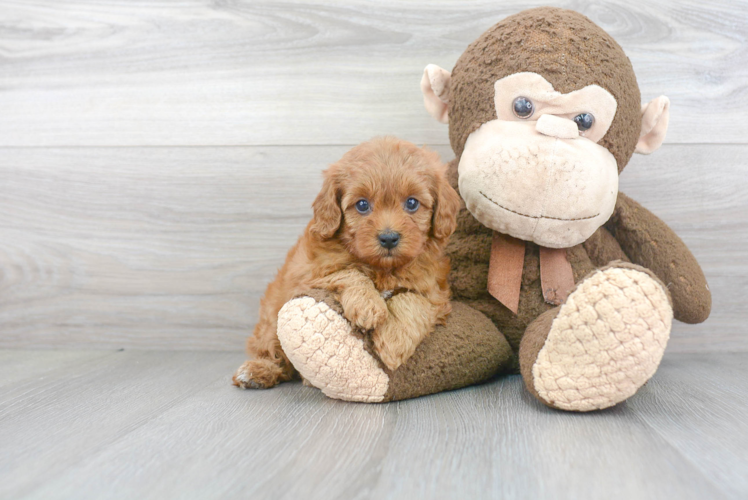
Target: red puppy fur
pixel 381 221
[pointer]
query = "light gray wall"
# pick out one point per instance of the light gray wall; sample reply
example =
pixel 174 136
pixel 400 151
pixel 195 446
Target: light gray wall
pixel 156 161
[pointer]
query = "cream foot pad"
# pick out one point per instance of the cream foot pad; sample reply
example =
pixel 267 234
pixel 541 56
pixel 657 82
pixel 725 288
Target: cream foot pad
pixel 606 341
pixel 320 344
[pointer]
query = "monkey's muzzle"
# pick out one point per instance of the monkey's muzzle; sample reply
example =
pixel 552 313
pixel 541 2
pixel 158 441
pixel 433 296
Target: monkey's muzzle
pixel 537 181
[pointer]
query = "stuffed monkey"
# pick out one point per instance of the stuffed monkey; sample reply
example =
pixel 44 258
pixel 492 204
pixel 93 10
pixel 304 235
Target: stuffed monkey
pixel 555 273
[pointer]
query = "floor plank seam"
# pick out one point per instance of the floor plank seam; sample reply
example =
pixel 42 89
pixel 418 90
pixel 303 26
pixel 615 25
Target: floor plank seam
pixel 34 378
pixel 684 457
pixel 105 445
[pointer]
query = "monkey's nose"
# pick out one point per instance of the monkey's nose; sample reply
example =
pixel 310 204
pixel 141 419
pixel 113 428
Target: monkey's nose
pixel 555 126
pixel 389 239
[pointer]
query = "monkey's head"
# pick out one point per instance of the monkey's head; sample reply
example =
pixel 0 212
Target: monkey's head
pixel 544 112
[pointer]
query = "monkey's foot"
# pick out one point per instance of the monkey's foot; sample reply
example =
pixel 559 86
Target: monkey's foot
pixel 602 344
pixel 327 352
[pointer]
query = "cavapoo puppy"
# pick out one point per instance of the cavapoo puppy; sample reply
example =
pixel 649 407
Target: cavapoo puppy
pixel 381 221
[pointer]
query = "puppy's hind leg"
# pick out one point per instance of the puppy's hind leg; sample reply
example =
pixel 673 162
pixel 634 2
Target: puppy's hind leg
pixel 258 374
pixel 270 365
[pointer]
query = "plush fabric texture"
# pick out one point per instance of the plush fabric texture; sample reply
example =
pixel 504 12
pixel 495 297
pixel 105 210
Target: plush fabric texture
pixel 650 243
pixel 324 348
pixel 469 251
pixel 565 48
pixel 532 343
pixel 467 350
pixel 602 345
pixel 537 187
pixel 632 274
pixel 655 118
pixel 554 126
pixel 547 103
pixel 333 356
pixel 435 88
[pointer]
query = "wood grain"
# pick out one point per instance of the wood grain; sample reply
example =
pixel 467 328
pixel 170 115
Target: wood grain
pixel 17 365
pixel 146 437
pixel 171 248
pixel 49 424
pixel 252 72
pixel 693 403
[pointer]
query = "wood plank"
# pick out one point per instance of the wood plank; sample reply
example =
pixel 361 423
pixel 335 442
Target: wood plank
pixel 502 443
pixel 172 247
pixel 319 72
pixel 17 365
pixel 491 441
pixel 48 425
pixel 147 247
pixel 697 404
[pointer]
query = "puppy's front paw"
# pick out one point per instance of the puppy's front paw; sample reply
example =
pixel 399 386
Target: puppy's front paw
pixel 366 311
pixel 257 374
pixel 395 342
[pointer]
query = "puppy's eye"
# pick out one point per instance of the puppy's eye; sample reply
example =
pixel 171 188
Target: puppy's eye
pixel 522 107
pixel 584 121
pixel 363 207
pixel 411 204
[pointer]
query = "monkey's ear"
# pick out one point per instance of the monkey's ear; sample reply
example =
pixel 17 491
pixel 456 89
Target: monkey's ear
pixel 327 213
pixel 436 93
pixel 655 118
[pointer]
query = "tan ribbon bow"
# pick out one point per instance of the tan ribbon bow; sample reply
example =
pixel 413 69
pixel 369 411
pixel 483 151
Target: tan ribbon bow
pixel 505 272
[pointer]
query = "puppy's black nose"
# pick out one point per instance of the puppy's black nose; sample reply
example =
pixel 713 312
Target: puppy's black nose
pixel 389 239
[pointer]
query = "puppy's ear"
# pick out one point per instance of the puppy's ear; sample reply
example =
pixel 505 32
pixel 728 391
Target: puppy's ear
pixel 327 213
pixel 444 218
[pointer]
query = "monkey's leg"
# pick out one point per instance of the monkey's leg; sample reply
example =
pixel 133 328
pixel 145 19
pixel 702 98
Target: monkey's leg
pixel 341 361
pixel 649 242
pixel 600 346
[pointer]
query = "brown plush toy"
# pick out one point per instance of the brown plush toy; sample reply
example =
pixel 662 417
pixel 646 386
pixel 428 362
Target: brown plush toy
pixel 554 272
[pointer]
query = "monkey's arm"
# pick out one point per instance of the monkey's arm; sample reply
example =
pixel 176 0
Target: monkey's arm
pixel 649 242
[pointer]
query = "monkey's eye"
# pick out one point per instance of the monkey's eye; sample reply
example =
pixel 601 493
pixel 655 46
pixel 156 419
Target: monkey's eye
pixel 411 204
pixel 584 121
pixel 523 107
pixel 362 206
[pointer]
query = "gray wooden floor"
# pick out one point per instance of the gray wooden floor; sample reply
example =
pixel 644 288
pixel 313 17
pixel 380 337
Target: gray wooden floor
pixel 148 424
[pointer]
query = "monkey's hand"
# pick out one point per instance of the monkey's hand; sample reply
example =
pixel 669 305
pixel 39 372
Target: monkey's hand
pixel 411 318
pixel 649 242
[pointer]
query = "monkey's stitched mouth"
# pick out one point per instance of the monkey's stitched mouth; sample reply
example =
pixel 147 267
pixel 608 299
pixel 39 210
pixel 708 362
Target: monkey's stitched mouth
pixel 535 216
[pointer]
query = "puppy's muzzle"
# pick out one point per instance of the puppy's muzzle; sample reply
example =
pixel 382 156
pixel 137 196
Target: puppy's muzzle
pixel 389 239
